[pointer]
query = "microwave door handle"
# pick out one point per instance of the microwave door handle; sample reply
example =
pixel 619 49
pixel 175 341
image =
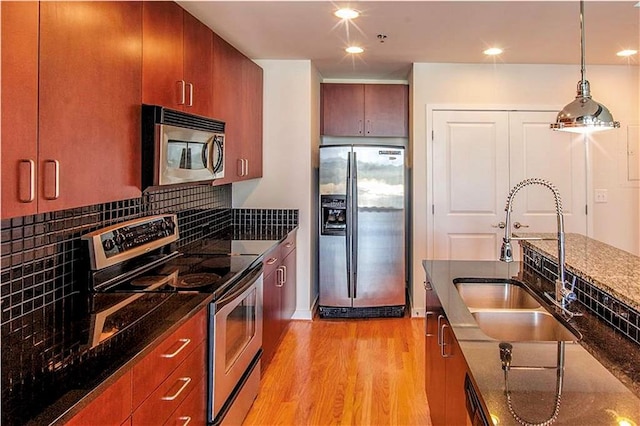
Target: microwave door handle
pixel 207 155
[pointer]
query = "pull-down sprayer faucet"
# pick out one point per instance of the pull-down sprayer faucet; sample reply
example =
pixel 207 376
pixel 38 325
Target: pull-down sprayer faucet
pixel 563 296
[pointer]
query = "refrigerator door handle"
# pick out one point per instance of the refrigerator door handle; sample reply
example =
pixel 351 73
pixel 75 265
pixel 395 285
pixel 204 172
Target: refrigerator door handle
pixel 354 222
pixel 348 225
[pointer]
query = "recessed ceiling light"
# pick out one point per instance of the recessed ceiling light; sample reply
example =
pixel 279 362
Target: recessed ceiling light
pixel 354 49
pixel 346 13
pixel 627 52
pixel 493 51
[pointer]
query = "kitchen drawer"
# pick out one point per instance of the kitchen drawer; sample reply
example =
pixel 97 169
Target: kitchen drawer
pixel 112 407
pixel 272 259
pixel 186 379
pixel 193 410
pixel 149 373
pixel 288 245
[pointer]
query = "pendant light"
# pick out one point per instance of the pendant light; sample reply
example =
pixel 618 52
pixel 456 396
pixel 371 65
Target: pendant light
pixel 584 115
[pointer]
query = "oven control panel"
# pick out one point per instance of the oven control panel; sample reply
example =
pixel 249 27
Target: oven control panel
pixel 124 241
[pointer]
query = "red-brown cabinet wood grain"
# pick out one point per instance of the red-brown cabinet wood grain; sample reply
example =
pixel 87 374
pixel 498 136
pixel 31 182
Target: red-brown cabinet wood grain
pixel 279 295
pixel 149 373
pixel 177 59
pixel 19 108
pixel 380 110
pixel 162 54
pixel 89 103
pixel 112 407
pixel 238 84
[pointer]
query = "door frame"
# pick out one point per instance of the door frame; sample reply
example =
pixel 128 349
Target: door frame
pixel 429 133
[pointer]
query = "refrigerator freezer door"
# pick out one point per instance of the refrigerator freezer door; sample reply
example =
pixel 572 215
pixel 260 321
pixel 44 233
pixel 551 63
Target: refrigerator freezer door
pixel 379 226
pixel 334 249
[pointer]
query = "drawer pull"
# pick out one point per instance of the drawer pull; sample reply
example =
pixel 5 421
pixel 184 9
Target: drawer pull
pixel 185 342
pixel 186 381
pixel 185 419
pixel 272 261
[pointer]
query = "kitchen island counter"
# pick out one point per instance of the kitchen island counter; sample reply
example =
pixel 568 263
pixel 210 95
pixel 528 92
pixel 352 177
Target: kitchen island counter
pixel 591 394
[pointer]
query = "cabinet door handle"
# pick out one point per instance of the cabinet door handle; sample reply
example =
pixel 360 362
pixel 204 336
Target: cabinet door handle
pixel 240 167
pixel 190 86
pixel 181 92
pixel 184 344
pixel 440 318
pixel 31 192
pixel 426 323
pixel 272 261
pixel 280 277
pixel 185 382
pixel 56 179
pixel 185 419
pixel 443 353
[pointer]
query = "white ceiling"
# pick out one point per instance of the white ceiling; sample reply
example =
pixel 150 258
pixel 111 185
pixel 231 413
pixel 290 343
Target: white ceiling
pixel 539 32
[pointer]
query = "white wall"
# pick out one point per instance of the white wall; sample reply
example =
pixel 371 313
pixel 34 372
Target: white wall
pixel 290 139
pixel 519 86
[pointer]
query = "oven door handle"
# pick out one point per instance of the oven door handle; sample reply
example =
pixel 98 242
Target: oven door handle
pixel 244 284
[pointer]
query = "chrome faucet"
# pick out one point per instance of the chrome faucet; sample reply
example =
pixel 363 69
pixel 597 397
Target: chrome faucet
pixel 563 295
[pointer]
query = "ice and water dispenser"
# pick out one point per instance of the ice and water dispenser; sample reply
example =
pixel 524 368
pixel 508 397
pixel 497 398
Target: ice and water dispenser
pixel 334 214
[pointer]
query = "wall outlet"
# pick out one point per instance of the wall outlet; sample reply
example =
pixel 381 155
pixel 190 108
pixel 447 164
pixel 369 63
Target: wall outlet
pixel 600 196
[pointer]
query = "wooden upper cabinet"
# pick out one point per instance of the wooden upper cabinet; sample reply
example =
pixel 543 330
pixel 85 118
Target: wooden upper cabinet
pixel 343 109
pixel 19 108
pixel 162 54
pixel 237 85
pixel 198 66
pixel 177 59
pixel 252 116
pixel 227 81
pixel 365 110
pixel 89 103
pixel 386 110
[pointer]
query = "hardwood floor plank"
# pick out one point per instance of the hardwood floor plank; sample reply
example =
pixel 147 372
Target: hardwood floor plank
pixel 345 372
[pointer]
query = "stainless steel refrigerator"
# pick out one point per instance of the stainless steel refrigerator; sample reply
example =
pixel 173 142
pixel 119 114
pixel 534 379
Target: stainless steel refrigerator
pixel 362 231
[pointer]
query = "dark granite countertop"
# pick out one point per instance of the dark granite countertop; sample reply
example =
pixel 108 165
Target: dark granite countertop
pixel 599 373
pixel 36 392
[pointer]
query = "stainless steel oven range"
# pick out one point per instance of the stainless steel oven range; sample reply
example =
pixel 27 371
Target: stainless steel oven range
pixel 135 268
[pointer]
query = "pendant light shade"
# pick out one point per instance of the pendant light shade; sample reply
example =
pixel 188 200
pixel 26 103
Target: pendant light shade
pixel 584 115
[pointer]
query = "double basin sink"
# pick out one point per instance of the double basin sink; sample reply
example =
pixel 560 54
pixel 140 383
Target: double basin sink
pixel 506 310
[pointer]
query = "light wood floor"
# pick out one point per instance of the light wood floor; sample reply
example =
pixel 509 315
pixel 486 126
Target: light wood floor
pixel 345 372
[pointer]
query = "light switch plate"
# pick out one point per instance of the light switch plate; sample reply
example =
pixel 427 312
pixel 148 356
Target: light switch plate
pixel 600 196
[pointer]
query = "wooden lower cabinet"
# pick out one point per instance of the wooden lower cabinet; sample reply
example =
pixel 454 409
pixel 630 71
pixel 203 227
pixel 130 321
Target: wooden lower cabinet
pixel 168 386
pixel 193 410
pixel 279 295
pixel 112 407
pixel 445 367
pixel 168 397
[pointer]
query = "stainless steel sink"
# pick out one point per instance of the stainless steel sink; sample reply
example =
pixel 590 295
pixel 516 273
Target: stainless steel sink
pixel 495 295
pixel 519 326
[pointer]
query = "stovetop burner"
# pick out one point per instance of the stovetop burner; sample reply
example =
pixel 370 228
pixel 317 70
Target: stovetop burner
pixel 196 280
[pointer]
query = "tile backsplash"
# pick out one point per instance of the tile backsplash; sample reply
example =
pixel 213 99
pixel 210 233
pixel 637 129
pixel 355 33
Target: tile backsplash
pixel 617 314
pixel 42 256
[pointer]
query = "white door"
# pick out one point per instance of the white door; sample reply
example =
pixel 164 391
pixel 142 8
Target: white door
pixel 526 148
pixel 470 182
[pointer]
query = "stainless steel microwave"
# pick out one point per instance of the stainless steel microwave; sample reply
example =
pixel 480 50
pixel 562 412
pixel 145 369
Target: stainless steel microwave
pixel 180 148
